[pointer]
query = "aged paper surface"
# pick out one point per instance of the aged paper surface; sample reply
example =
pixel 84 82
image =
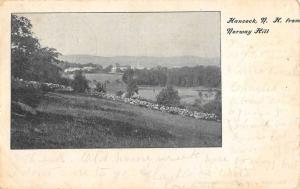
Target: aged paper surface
pixel 260 107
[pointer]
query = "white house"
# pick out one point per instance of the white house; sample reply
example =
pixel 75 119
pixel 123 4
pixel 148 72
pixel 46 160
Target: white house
pixel 117 67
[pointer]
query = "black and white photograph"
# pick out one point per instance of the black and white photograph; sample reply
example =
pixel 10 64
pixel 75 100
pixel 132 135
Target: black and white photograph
pixel 82 80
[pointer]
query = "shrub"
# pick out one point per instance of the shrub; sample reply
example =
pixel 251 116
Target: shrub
pixel 80 83
pixel 128 76
pixel 64 81
pixel 119 93
pixel 29 95
pixel 108 68
pixel 100 87
pixel 214 106
pixel 46 88
pixel 132 88
pixel 168 96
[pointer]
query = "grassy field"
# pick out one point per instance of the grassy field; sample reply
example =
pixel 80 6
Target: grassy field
pixel 187 95
pixel 80 121
pixel 104 76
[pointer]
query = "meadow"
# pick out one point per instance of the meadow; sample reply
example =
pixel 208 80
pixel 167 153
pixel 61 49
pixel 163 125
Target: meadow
pixel 188 95
pixel 104 76
pixel 68 120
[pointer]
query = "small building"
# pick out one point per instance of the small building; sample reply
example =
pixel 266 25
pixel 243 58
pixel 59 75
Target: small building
pixel 88 68
pixel 118 68
pixel 71 70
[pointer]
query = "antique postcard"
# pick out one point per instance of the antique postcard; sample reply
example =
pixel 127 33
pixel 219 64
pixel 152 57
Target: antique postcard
pixel 115 80
pixel 159 94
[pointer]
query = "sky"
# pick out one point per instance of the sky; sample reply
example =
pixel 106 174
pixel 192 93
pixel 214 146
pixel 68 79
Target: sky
pixel 130 34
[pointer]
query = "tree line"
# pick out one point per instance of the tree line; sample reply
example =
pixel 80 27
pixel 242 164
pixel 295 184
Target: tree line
pixel 209 76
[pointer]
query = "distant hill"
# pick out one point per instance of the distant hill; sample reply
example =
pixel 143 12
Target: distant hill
pixel 142 61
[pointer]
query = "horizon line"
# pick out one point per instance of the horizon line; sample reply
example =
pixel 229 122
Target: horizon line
pixel 139 56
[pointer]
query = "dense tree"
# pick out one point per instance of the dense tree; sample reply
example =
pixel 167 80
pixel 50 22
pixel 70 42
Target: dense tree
pixel 80 83
pixel 132 88
pixel 209 76
pixel 154 76
pixel 128 76
pixel 23 44
pixel 101 87
pixel 29 60
pixel 108 68
pixel 214 106
pixel 168 96
pixel 132 84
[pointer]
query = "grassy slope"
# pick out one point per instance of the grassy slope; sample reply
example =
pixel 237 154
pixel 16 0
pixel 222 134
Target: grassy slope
pixel 77 121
